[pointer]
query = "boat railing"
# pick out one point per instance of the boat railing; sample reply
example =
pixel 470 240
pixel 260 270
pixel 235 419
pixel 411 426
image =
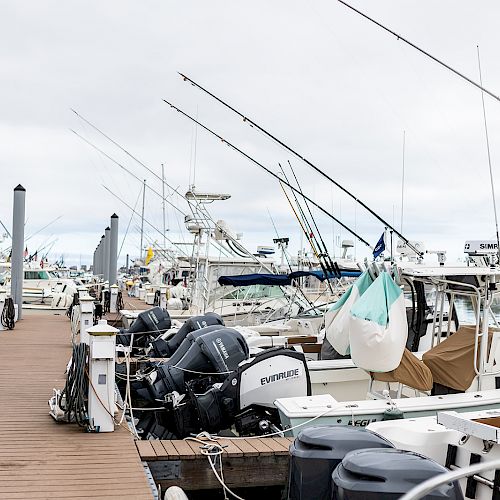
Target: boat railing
pixel 434 482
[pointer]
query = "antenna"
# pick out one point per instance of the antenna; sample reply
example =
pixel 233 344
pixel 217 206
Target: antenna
pixel 403 182
pixel 489 156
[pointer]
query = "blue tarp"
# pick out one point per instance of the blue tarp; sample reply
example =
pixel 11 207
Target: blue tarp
pixel 278 279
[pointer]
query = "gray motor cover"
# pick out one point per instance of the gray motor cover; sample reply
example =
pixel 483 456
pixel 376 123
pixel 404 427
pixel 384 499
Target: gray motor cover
pixel 318 450
pixel 386 474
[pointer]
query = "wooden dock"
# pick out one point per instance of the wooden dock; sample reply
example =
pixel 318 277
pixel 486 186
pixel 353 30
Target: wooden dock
pixel 40 458
pixel 251 462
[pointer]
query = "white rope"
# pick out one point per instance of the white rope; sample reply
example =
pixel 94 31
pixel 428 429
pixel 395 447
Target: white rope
pixel 213 449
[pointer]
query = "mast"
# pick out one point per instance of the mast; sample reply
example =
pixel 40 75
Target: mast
pixel 163 203
pixel 142 217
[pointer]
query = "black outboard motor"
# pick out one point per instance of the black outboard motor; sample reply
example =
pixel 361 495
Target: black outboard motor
pixel 190 339
pixel 165 348
pixel 318 450
pixel 214 352
pixel 148 325
pixel 387 474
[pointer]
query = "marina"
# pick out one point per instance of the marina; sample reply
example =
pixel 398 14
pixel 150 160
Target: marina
pixel 250 251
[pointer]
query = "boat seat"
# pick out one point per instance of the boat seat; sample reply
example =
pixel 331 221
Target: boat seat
pixel 411 372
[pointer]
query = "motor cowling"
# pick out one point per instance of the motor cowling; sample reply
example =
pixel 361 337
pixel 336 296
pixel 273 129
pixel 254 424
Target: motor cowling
pixel 247 395
pixel 215 352
pixel 166 348
pixel 149 324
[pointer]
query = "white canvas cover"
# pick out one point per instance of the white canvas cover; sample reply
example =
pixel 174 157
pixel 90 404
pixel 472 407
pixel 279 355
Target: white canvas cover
pixel 337 318
pixel 378 330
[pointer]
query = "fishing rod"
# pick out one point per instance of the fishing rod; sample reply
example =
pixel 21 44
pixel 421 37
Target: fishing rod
pixel 128 171
pixel 322 245
pixel 422 51
pixel 44 227
pixel 130 155
pixel 6 230
pixel 175 190
pixel 270 172
pixel 50 246
pixel 302 158
pixel 312 238
pixel 309 237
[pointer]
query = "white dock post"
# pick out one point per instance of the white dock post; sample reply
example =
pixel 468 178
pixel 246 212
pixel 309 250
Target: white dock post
pixel 113 298
pixel 86 317
pixel 3 296
pixel 163 297
pixel 101 404
pixel 16 270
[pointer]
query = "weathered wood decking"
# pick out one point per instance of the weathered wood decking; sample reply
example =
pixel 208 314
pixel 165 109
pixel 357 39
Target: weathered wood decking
pixel 247 462
pixel 40 458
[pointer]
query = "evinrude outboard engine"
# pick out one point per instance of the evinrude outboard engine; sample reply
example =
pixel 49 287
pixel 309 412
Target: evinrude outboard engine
pixel 215 352
pixel 247 396
pixel 165 348
pixel 148 325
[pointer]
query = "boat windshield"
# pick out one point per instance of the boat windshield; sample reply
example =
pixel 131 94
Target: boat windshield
pixel 36 275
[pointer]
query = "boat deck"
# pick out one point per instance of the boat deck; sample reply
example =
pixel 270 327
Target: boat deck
pixel 40 458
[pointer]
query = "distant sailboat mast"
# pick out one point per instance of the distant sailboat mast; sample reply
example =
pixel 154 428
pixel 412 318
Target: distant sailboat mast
pixel 142 218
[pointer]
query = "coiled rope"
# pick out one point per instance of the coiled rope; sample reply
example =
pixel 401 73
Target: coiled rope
pixel 8 314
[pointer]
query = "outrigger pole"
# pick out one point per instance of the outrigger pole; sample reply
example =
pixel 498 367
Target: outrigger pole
pixel 270 172
pixel 305 160
pixel 422 51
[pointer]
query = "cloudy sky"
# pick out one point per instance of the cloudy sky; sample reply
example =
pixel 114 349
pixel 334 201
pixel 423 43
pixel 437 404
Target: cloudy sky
pixel 335 87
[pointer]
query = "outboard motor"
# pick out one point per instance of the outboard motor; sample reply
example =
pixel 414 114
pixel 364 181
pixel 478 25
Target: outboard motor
pixel 318 450
pixel 247 396
pixel 190 339
pixel 387 474
pixel 149 324
pixel 214 352
pixel 165 348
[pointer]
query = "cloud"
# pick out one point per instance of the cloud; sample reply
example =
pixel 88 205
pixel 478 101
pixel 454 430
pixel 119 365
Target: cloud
pixel 333 86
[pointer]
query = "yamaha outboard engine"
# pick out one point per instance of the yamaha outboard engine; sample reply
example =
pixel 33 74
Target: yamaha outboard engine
pixel 247 396
pixel 214 352
pixel 165 348
pixel 148 325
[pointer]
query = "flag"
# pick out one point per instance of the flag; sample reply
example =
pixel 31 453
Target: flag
pixel 26 252
pixel 41 263
pixel 149 256
pixel 35 257
pixel 380 246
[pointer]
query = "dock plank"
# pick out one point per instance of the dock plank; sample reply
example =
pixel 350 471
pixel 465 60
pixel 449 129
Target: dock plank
pixel 40 458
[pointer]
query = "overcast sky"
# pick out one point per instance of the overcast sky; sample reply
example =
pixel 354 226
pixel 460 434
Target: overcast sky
pixel 336 88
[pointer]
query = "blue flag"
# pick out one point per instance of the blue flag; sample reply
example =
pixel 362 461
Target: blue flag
pixel 379 247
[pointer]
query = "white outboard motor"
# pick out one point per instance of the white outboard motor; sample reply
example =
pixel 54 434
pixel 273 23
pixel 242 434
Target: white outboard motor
pixel 247 395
